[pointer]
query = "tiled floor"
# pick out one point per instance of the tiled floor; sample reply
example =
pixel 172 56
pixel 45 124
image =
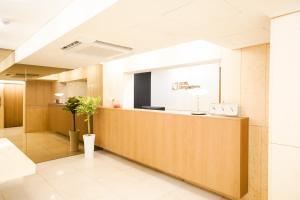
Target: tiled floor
pixel 40 146
pixel 106 177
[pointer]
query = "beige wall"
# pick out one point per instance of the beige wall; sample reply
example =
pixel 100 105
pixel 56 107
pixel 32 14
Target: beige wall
pixel 245 82
pixel 95 81
pixel 1 106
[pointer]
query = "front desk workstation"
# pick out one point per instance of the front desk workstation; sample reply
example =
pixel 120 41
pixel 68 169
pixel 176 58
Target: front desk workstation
pixel 208 151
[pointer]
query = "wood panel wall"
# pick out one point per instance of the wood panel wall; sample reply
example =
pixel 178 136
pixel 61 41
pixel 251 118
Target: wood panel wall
pixel 13 105
pixel 245 81
pixel 95 81
pixel 38 94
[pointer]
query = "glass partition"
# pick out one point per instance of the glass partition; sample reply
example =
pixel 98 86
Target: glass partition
pixel 32 114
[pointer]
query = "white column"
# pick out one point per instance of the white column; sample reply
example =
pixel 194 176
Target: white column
pixel 284 108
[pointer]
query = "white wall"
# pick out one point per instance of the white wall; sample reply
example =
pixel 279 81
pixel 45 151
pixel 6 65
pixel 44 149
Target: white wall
pixel 284 108
pixel 117 85
pixel 118 74
pixel 207 76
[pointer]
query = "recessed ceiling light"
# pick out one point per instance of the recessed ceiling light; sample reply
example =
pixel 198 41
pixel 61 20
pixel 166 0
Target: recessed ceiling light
pixel 12 82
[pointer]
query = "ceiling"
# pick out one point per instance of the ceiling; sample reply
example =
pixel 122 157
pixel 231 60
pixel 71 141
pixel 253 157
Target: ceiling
pixel 20 71
pixel 26 18
pixel 154 24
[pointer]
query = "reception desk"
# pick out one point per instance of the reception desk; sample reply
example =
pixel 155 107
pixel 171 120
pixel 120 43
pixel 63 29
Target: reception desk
pixel 208 151
pixel 60 121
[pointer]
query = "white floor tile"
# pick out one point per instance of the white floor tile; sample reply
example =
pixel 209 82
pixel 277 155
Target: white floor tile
pixel 106 177
pixel 29 188
pixel 186 191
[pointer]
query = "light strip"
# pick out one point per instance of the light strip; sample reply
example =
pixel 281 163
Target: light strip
pixel 12 82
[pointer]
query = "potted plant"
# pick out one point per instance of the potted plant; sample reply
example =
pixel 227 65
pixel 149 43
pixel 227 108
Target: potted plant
pixel 87 106
pixel 71 106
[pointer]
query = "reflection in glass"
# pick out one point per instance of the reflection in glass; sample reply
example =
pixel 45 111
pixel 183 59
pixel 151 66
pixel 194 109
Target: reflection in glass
pixel 28 113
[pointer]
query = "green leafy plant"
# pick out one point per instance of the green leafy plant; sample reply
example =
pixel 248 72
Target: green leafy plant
pixel 87 106
pixel 71 106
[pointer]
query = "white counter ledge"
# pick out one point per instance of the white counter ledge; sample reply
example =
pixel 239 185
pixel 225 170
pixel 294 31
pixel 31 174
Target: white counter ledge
pixel 13 162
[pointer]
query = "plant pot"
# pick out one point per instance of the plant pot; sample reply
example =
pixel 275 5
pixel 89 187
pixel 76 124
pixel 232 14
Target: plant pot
pixel 74 140
pixel 89 142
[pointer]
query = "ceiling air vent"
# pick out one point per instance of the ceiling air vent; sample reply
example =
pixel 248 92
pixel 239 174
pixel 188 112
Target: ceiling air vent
pixel 96 48
pixel 71 45
pixel 115 46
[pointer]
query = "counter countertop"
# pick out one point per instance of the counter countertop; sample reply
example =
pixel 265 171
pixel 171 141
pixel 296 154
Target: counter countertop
pixel 186 113
pixel 175 112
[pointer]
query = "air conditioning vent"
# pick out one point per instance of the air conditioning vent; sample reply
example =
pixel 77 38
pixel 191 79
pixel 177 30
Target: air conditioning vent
pixel 71 45
pixel 98 52
pixel 96 48
pixel 110 45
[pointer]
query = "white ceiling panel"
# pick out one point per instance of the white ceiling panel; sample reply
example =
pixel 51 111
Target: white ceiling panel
pixel 26 18
pixel 270 8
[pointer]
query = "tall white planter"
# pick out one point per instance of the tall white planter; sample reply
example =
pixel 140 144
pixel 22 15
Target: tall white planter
pixel 89 142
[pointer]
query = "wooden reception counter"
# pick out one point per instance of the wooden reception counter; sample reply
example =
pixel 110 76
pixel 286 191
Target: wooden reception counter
pixel 208 151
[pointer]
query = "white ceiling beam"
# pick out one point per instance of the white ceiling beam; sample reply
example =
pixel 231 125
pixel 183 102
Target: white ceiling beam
pixel 72 16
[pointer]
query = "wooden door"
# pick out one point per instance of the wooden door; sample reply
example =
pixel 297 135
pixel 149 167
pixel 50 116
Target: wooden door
pixel 13 105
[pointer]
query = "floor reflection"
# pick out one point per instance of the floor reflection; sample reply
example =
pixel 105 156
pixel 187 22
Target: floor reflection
pixel 40 146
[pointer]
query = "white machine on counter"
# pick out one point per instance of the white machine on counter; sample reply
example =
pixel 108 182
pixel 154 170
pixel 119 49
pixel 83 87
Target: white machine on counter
pixel 224 109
